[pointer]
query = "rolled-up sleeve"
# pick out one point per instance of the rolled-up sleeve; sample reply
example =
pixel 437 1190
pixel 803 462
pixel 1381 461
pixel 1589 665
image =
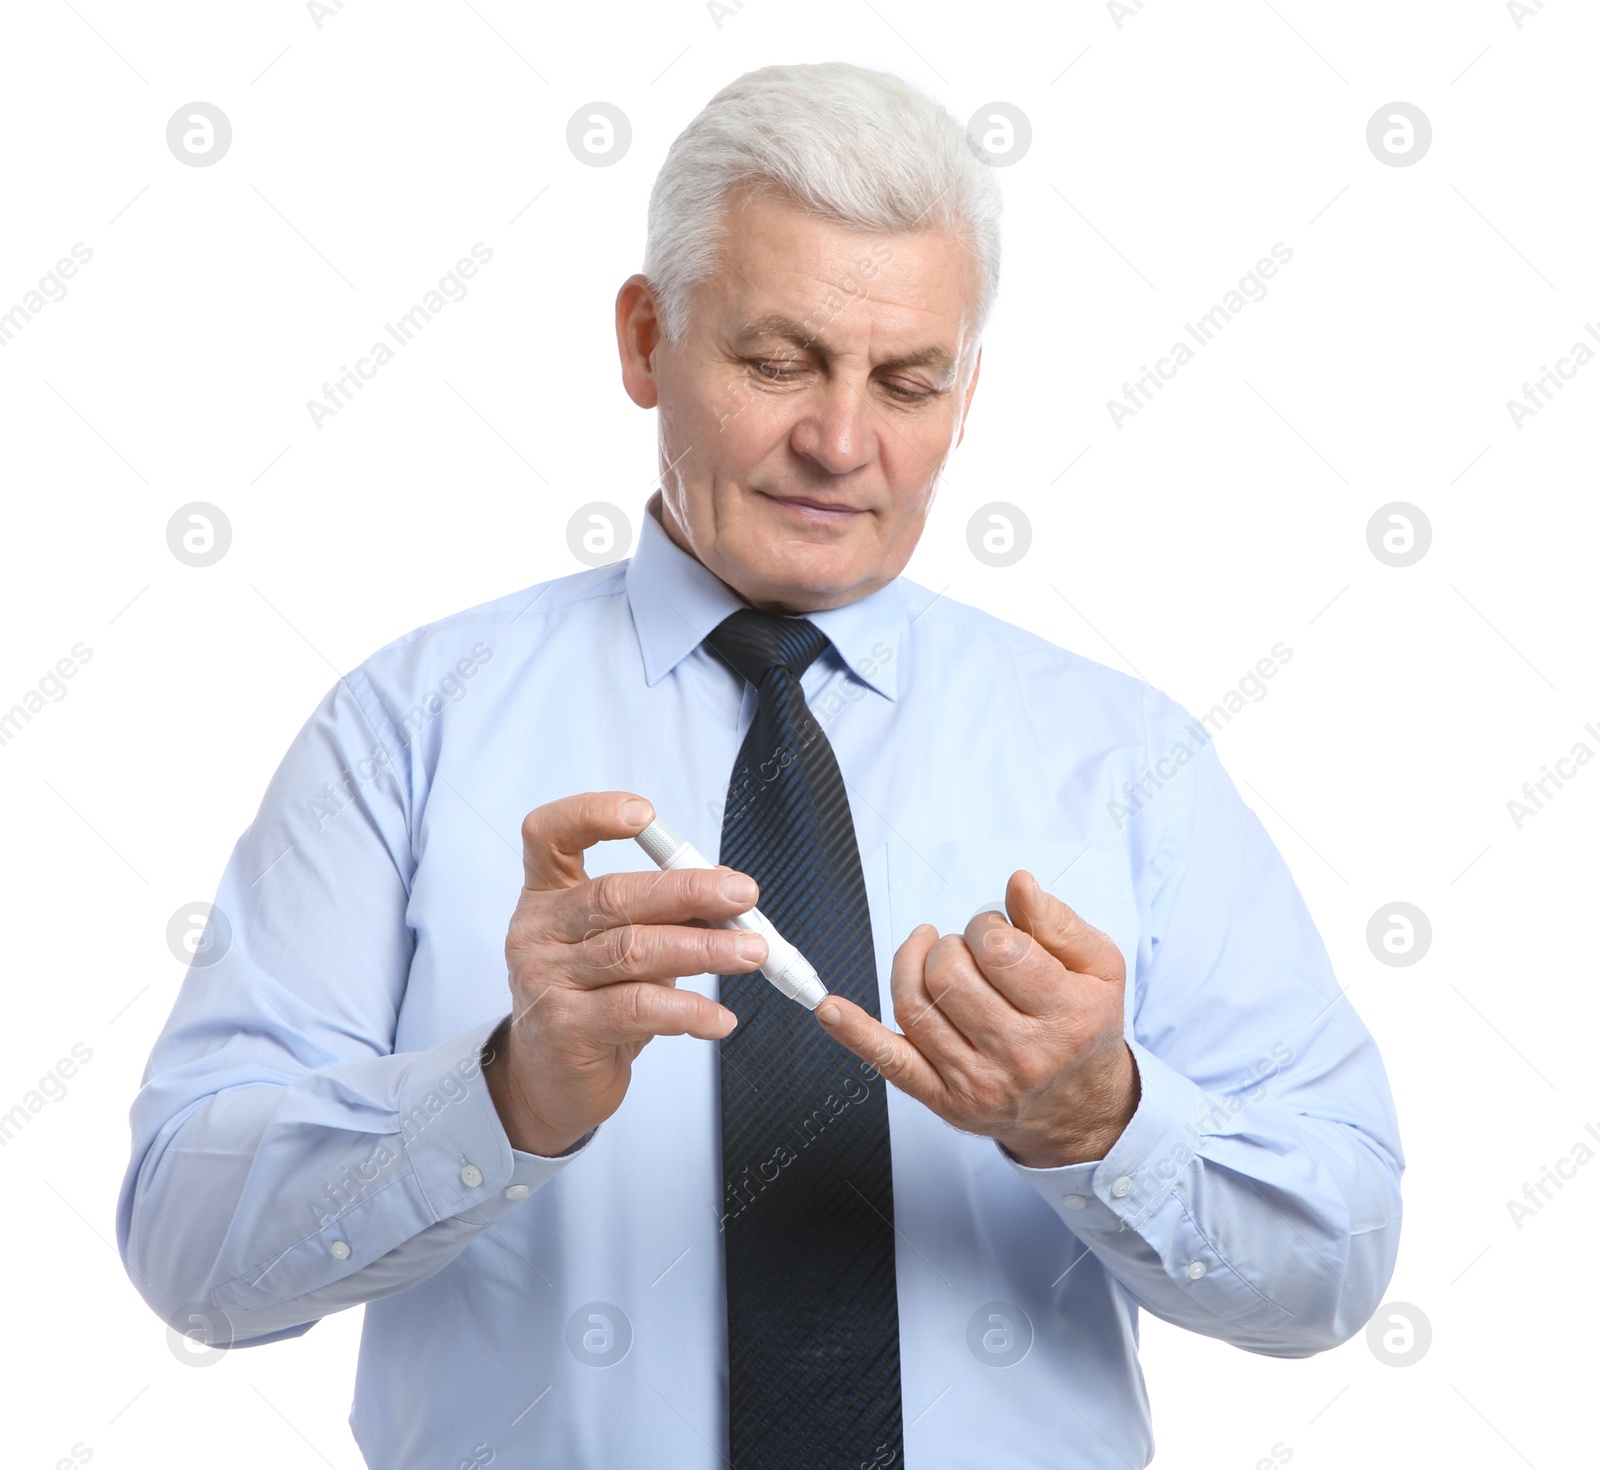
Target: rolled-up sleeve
pixel 1255 1194
pixel 286 1161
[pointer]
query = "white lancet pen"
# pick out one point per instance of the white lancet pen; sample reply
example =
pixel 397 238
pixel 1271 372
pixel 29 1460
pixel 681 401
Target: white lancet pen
pixel 787 969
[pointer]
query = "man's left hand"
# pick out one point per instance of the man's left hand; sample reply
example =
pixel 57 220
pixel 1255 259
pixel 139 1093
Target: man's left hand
pixel 1013 1030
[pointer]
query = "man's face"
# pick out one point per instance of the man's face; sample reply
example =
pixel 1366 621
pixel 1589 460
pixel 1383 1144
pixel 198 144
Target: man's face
pixel 821 382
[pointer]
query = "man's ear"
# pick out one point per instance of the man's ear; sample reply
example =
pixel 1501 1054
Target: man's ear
pixel 966 406
pixel 638 335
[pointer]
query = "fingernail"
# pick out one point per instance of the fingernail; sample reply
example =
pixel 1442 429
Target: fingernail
pixel 730 1015
pixel 637 812
pixel 751 947
pixel 738 888
pixel 828 1015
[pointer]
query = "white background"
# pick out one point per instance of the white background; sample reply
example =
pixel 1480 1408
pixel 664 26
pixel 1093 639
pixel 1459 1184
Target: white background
pixel 1168 155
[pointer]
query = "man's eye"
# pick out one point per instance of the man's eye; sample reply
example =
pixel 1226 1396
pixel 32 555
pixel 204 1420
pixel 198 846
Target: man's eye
pixel 908 394
pixel 778 372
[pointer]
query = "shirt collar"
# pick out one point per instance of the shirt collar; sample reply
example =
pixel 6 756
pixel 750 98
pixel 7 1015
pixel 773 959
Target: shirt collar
pixel 676 601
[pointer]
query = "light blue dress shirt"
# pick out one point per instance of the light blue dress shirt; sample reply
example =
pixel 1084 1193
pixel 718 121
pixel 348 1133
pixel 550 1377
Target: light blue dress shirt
pixel 314 1130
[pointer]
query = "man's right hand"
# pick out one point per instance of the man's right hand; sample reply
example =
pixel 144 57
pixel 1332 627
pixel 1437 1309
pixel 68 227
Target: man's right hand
pixel 593 966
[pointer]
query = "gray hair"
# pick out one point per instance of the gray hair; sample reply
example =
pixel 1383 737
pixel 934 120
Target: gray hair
pixel 861 148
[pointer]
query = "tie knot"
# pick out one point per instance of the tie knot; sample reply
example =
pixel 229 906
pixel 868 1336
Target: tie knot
pixel 754 642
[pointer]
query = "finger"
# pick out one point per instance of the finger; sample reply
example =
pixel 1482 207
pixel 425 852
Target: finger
pixel 661 952
pixel 1032 980
pixel 1072 940
pixel 917 1008
pixel 556 835
pixel 615 899
pixel 988 1022
pixel 891 1053
pixel 636 1013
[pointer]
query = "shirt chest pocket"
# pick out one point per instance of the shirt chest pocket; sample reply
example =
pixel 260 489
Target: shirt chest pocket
pixel 946 883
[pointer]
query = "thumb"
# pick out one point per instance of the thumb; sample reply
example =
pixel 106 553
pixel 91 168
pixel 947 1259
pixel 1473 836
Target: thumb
pixel 1076 943
pixel 1031 909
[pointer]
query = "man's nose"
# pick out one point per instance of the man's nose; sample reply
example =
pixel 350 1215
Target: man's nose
pixel 835 429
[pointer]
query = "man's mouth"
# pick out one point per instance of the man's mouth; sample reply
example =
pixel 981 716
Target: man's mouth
pixel 820 511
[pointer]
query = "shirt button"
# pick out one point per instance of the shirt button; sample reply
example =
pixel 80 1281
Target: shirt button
pixel 340 1250
pixel 472 1176
pixel 1074 1201
pixel 1197 1269
pixel 1122 1186
pixel 518 1191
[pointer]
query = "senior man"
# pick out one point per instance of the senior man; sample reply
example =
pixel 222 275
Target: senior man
pixel 1124 1077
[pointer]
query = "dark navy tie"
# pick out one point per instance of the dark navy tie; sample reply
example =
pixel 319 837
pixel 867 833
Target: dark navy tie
pixel 808 1222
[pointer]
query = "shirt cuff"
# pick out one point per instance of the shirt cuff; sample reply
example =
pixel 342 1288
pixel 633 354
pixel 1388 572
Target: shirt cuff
pixel 463 1161
pixel 1123 1190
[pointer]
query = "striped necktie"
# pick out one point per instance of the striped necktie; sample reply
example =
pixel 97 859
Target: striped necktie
pixel 813 1320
